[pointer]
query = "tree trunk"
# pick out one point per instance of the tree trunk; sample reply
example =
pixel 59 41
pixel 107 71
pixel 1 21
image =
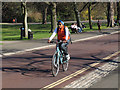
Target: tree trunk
pixel 89 15
pixel 118 11
pixel 77 15
pixel 111 14
pixel 108 14
pixel 53 17
pixel 45 15
pixel 25 25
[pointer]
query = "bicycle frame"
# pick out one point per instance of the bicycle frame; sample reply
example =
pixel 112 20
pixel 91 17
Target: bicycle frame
pixel 57 60
pixel 60 56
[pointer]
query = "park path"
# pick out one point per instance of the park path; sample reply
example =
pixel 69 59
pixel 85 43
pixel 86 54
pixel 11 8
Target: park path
pixel 33 69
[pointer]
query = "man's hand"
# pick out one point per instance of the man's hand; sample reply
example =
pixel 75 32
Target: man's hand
pixel 49 41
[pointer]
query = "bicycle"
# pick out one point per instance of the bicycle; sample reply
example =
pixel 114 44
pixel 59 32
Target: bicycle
pixel 58 58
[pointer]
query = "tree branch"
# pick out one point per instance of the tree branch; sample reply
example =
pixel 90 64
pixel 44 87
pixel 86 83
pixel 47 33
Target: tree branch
pixel 47 3
pixel 94 6
pixel 83 7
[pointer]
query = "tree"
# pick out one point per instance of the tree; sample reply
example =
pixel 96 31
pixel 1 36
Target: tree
pixel 44 21
pixel 77 14
pixel 110 14
pixel 53 16
pixel 25 25
pixel 44 8
pixel 89 15
pixel 118 11
pixel 85 4
pixel 88 5
pixel 65 11
pixel 11 10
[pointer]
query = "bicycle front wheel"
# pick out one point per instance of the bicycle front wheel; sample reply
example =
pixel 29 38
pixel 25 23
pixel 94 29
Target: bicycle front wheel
pixel 65 64
pixel 55 64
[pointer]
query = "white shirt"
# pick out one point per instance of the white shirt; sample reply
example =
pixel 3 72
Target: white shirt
pixel 74 26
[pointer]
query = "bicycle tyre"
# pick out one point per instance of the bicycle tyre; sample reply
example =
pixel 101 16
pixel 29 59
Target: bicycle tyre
pixel 65 65
pixel 55 69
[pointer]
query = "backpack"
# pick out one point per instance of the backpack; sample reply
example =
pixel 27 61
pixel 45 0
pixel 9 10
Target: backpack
pixel 65 32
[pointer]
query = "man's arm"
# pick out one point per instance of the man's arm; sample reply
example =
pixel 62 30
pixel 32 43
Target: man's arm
pixel 53 35
pixel 67 33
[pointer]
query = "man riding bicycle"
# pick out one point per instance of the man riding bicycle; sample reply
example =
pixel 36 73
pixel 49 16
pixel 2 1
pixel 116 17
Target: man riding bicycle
pixel 62 32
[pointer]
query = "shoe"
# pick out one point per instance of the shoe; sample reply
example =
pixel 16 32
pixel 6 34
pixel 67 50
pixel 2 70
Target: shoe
pixel 68 57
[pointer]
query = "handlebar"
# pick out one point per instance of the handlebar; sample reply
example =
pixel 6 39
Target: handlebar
pixel 57 42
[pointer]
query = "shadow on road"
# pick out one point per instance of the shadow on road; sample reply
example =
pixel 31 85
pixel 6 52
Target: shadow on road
pixel 93 60
pixel 28 65
pixel 39 64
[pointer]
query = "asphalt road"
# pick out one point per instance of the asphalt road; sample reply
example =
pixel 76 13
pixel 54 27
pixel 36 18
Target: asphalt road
pixel 33 69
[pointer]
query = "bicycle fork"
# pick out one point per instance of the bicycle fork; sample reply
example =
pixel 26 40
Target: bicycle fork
pixel 56 62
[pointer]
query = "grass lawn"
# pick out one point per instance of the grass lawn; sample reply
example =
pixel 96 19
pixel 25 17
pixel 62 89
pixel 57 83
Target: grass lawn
pixel 12 32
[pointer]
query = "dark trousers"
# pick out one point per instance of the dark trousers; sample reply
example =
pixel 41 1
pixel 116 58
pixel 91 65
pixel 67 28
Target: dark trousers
pixel 63 46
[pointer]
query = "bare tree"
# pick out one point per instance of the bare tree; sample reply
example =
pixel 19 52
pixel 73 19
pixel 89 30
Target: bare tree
pixel 44 12
pixel 77 14
pixel 89 15
pixel 108 14
pixel 53 16
pixel 118 11
pixel 45 16
pixel 111 14
pixel 25 25
pixel 85 5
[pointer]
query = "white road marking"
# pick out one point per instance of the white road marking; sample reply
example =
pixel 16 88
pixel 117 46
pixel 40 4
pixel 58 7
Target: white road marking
pixel 43 47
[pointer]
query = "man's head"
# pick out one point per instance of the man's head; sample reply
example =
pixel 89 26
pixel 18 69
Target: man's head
pixel 60 24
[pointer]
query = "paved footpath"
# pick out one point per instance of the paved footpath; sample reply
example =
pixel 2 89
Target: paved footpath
pixel 12 47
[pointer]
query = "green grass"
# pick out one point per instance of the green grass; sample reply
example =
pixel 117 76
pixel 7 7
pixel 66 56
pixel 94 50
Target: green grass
pixel 95 27
pixel 12 32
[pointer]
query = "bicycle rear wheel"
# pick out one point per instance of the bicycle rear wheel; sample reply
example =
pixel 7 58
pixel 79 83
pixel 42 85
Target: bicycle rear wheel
pixel 55 64
pixel 65 64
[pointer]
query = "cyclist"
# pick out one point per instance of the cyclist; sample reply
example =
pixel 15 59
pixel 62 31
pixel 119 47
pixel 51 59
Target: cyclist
pixel 62 32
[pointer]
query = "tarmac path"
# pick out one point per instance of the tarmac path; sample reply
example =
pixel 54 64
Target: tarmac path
pixel 33 69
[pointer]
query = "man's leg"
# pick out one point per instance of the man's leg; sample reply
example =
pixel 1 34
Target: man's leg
pixel 65 49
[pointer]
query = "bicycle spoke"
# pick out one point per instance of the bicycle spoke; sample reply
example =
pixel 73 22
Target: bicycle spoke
pixel 55 65
pixel 65 64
